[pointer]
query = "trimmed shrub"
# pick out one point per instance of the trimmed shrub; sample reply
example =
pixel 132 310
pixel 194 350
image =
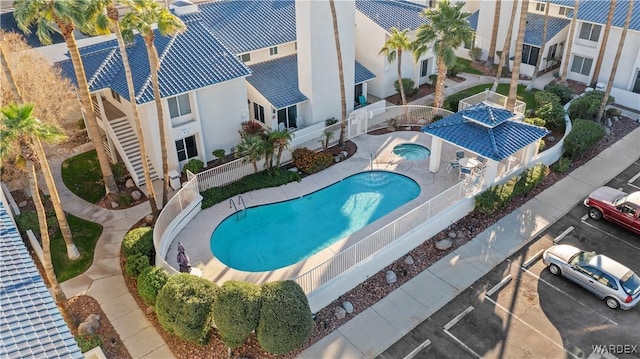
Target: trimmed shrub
pixel 451 102
pixel 194 166
pixel 124 199
pixel 87 342
pixel 236 311
pixel 138 241
pixel 285 317
pixel 184 306
pixel 562 165
pixel 28 220
pixel 251 128
pixel 309 161
pixel 530 178
pixel 136 264
pixel 564 93
pixel 535 121
pixel 218 154
pixel 553 115
pixel 330 121
pixel 586 107
pixel 475 54
pixel 543 98
pixel 120 173
pixel 454 70
pixel 408 85
pixel 584 135
pixel 611 112
pixel 150 281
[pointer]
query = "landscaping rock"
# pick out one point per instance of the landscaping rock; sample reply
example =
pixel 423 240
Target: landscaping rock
pixel 293 169
pixel 148 218
pixel 136 195
pixel 408 260
pixel 22 204
pixel 90 325
pixel 339 313
pixel 443 244
pixel 348 307
pixel 336 159
pixel 114 205
pixel 390 277
pixel 452 234
pixel 609 124
pixel 607 131
pixel 129 183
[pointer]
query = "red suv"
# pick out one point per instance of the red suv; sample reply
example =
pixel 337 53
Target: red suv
pixel 615 206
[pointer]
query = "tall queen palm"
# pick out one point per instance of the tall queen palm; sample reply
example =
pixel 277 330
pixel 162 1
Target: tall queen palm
pixel 447 27
pixel 395 45
pixel 18 130
pixel 517 60
pixel 72 250
pixel 343 93
pixel 143 16
pixel 67 15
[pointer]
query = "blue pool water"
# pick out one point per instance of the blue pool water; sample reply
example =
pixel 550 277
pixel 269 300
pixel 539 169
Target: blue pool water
pixel 276 235
pixel 412 151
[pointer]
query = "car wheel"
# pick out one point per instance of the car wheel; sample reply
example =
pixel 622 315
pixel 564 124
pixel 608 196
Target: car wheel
pixel 595 213
pixel 611 303
pixel 554 269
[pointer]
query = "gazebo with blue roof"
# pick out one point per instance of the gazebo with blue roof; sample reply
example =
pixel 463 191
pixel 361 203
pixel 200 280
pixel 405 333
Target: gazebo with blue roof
pixel 487 130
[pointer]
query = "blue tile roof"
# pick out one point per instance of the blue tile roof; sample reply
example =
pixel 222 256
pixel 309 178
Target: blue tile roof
pixel 473 20
pixel 535 27
pixel 31 325
pixel 245 26
pixel 277 80
pixel 188 61
pixel 392 13
pixel 496 143
pixel 596 11
pixel 486 115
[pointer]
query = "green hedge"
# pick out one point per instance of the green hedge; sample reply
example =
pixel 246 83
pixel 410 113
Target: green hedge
pixel 236 311
pixel 194 166
pixel 584 135
pixel 138 241
pixel 273 177
pixel 285 317
pixel 451 102
pixel 136 264
pixel 184 306
pixel 498 196
pixel 150 281
pixel 586 107
pixel 553 115
pixel 564 93
pixel 544 97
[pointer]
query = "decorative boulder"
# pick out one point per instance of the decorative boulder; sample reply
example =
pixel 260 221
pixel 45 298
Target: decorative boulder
pixel 136 195
pixel 443 244
pixel 452 234
pixel 148 218
pixel 339 313
pixel 336 159
pixel 408 260
pixel 114 205
pixel 90 325
pixel 390 277
pixel 348 307
pixel 129 183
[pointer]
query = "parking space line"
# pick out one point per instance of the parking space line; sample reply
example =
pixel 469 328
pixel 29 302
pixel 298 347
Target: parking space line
pixel 417 350
pixel 531 327
pixel 563 292
pixel 498 286
pixel 462 344
pixel 611 235
pixel 563 234
pixel 453 322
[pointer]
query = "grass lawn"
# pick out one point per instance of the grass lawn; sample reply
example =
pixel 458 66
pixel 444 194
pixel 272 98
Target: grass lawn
pixel 81 174
pixel 465 65
pixel 85 235
pixel 503 89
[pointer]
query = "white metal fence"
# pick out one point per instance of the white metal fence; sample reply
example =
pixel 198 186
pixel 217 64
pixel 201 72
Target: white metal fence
pixel 343 261
pixel 492 97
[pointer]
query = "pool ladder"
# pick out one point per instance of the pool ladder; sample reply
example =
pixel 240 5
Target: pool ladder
pixel 372 160
pixel 244 207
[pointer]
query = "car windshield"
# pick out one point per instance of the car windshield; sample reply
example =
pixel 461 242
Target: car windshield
pixel 581 257
pixel 620 199
pixel 630 283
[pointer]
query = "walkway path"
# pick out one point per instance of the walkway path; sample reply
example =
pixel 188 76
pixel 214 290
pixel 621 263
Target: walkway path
pixel 103 280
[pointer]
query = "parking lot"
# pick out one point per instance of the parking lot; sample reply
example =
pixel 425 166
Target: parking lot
pixel 521 310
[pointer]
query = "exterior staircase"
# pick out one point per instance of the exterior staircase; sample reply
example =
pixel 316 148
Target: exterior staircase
pixel 129 142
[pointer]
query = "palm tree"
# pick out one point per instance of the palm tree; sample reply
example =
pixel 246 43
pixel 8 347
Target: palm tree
pixel 144 15
pixel 494 33
pixel 447 28
pixel 605 39
pixel 517 60
pixel 398 42
pixel 251 148
pixel 281 140
pixel 66 15
pixel 574 21
pixel 63 224
pixel 18 129
pixel 506 48
pixel 614 67
pixel 544 43
pixel 112 21
pixel 343 96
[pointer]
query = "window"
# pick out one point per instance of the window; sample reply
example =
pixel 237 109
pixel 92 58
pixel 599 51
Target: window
pixel 424 67
pixel 273 50
pixel 552 52
pixel 469 45
pixel 244 57
pixel 287 117
pixel 589 32
pixel 186 148
pixel 115 95
pixel 258 112
pixel 581 65
pixel 530 54
pixel 636 85
pixel 179 106
pixel 563 10
pixel 540 6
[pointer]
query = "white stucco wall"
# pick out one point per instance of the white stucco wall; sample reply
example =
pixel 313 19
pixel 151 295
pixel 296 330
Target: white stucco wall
pixel 263 55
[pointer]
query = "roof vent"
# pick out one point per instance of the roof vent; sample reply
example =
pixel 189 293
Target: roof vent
pixel 183 7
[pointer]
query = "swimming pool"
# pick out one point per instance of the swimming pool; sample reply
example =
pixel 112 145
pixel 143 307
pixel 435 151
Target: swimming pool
pixel 411 151
pixel 279 234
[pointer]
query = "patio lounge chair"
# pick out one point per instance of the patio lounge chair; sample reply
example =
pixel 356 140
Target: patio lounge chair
pixel 463 172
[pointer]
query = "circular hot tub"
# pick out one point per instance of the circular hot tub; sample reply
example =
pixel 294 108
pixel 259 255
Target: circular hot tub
pixel 411 151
